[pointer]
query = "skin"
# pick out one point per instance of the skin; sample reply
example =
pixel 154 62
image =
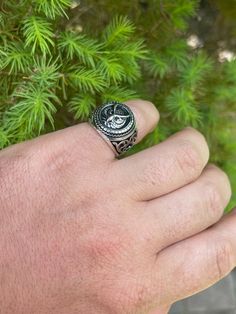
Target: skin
pixel 84 232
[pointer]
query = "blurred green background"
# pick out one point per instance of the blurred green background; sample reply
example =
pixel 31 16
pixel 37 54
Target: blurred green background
pixel 59 59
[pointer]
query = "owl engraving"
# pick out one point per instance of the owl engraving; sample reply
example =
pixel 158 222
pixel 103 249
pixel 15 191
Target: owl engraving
pixel 115 117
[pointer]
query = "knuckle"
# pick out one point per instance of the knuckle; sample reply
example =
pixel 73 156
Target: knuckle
pixel 213 201
pixel 223 255
pixel 188 159
pixel 155 172
pixel 152 175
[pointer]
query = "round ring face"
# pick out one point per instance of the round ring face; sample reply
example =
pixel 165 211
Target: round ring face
pixel 116 121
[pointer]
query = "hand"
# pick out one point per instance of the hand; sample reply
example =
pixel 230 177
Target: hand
pixel 83 232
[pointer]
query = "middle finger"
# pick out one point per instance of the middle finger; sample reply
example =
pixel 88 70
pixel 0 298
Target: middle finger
pixel 165 167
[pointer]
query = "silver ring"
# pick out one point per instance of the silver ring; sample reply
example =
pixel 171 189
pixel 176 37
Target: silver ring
pixel 116 123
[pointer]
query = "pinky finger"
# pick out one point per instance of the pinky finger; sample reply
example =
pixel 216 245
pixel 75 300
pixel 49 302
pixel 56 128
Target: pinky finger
pixel 196 263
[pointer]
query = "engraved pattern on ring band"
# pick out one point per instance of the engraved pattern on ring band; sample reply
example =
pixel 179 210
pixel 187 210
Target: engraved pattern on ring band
pixel 116 121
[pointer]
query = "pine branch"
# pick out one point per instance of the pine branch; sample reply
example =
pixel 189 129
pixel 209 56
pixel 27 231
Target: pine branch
pixel 176 52
pixel 181 103
pixel 132 70
pixel 34 106
pixel 194 72
pixel 80 46
pixel 111 69
pixel 134 49
pixel 120 94
pixel 81 105
pixel 158 66
pixel 120 29
pixel 127 56
pixel 52 8
pixel 44 73
pixel 87 80
pixel 15 58
pixel 180 10
pixel 38 34
pixel 172 58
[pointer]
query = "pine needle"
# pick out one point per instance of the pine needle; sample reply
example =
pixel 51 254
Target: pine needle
pixel 87 80
pixel 53 8
pixel 81 105
pixel 45 72
pixel 118 93
pixel 33 108
pixel 38 34
pixel 120 29
pixel 111 69
pixel 194 71
pixel 79 46
pixel 181 103
pixel 158 66
pixel 15 58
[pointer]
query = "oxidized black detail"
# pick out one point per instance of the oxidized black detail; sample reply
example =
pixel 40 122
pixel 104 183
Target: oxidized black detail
pixel 117 123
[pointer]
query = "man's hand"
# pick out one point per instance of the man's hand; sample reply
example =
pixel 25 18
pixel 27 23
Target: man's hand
pixel 82 232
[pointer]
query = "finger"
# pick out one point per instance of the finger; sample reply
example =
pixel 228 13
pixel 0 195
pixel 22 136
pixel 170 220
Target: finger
pixel 146 118
pixel 88 139
pixel 196 263
pixel 84 141
pixel 188 210
pixel 165 167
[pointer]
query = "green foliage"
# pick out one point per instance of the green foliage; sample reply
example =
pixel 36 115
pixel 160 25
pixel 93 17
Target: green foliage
pixel 111 69
pixel 193 72
pixel 15 58
pixel 119 30
pixel 58 61
pixel 87 80
pixel 81 105
pixel 158 66
pixel 181 11
pixel 38 34
pixel 28 115
pixel 45 73
pixel 75 45
pixel 119 93
pixel 181 104
pixel 41 64
pixel 52 8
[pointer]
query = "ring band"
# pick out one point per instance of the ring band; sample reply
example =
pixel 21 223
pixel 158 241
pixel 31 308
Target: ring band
pixel 116 123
